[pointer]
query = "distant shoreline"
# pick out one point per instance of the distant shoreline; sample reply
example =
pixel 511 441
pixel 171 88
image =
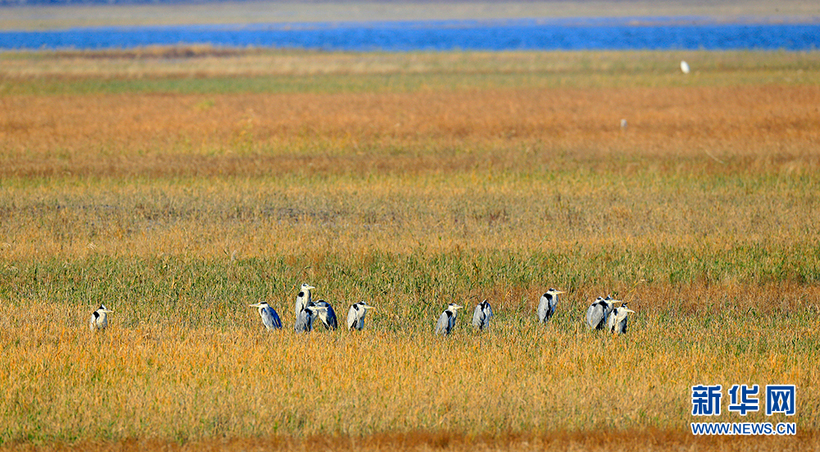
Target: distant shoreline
pixel 46 17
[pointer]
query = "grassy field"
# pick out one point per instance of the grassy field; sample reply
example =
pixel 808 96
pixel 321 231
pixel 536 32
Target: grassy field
pixel 178 186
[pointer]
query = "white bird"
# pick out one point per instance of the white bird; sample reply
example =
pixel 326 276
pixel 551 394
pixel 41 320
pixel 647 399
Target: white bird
pixel 482 315
pixel 269 317
pixel 305 319
pixel 355 316
pixel 447 320
pixel 684 67
pixel 303 298
pixel 99 318
pixel 617 320
pixel 547 305
pixel 623 124
pixel 599 311
pixel 327 315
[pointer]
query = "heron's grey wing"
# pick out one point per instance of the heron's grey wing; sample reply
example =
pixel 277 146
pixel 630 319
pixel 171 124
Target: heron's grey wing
pixel 443 325
pixel 622 325
pixel 543 309
pixel 489 312
pixel 332 323
pixel 478 317
pixel 595 316
pixel 352 318
pixel 275 320
pixel 303 321
pixel 267 319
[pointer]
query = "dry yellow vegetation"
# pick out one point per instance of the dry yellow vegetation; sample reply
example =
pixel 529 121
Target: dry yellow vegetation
pixel 179 207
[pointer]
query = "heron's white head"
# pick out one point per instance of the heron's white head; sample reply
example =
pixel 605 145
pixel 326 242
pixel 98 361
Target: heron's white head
pixel 554 292
pixel 621 313
pixel 260 305
pixel 104 309
pixel 306 287
pixel 453 307
pixel 364 305
pixel 611 302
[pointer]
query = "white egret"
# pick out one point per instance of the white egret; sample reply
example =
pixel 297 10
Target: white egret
pixel 303 298
pixel 447 320
pixel 482 315
pixel 617 320
pixel 99 318
pixel 684 67
pixel 269 317
pixel 355 316
pixel 547 305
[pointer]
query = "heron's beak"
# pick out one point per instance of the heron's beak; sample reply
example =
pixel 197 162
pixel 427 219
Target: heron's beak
pixel 108 310
pixel 309 287
pixel 367 306
pixel 254 305
pixel 628 310
pixel 559 292
pixel 458 307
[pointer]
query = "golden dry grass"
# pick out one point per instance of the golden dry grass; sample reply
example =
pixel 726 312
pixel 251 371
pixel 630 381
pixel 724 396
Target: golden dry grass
pixel 179 209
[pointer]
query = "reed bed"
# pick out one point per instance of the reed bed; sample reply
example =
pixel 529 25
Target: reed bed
pixel 178 209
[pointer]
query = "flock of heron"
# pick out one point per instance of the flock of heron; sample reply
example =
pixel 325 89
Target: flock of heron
pixel 603 314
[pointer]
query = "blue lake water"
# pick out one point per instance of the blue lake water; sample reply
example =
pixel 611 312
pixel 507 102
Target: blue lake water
pixel 523 34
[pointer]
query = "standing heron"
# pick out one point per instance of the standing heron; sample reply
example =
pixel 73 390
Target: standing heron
pixel 482 315
pixel 327 315
pixel 599 311
pixel 99 318
pixel 303 298
pixel 269 317
pixel 547 304
pixel 447 320
pixel 617 321
pixel 305 319
pixel 355 316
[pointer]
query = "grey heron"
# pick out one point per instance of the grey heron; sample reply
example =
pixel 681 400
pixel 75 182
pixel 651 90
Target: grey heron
pixel 355 316
pixel 305 319
pixel 617 320
pixel 547 304
pixel 447 320
pixel 99 318
pixel 269 317
pixel 599 311
pixel 303 298
pixel 327 315
pixel 482 315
